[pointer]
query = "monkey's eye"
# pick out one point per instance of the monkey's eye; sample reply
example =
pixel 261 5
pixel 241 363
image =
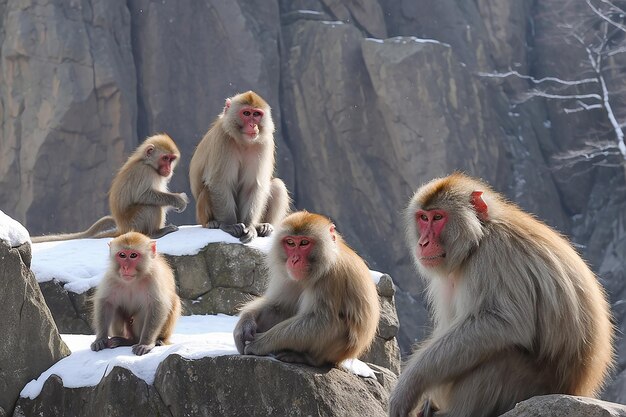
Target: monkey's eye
pixel 246 113
pixel 290 242
pixel 165 158
pixel 438 217
pixel 256 114
pixel 424 217
pixel 133 255
pixel 304 242
pixel 121 255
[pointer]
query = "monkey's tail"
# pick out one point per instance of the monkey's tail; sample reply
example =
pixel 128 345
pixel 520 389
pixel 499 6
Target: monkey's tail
pixel 105 227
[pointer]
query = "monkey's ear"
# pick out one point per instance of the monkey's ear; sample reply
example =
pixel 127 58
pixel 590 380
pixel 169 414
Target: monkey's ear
pixel 149 150
pixel 153 248
pixel 332 232
pixel 479 205
pixel 226 105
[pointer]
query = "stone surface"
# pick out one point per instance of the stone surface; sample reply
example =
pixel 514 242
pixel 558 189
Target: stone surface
pixel 32 343
pixel 221 386
pixel 565 405
pixel 68 111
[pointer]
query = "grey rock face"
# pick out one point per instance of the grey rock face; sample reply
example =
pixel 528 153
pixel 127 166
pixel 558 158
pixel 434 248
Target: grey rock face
pixel 32 343
pixel 222 386
pixel 68 112
pixel 565 405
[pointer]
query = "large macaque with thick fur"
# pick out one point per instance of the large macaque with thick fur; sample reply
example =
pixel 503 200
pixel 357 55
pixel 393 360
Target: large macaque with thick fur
pixel 138 198
pixel 516 311
pixel 136 303
pixel 321 305
pixel 231 171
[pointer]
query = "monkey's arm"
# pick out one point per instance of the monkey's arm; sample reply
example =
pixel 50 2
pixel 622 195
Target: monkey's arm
pixel 300 333
pixel 463 347
pixel 162 199
pixel 104 315
pixel 258 316
pixel 154 317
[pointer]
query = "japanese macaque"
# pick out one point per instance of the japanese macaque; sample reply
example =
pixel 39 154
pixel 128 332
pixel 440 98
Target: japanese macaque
pixel 516 311
pixel 139 198
pixel 231 171
pixel 321 305
pixel 136 303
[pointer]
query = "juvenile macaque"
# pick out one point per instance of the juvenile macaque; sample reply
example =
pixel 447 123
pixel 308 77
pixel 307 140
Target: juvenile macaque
pixel 517 312
pixel 139 198
pixel 136 303
pixel 231 171
pixel 321 305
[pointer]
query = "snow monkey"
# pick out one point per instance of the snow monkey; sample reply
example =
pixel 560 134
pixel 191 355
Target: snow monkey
pixel 321 305
pixel 516 311
pixel 138 198
pixel 136 303
pixel 231 171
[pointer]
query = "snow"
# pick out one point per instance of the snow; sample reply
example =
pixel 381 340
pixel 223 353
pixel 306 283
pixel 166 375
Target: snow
pixel 195 337
pixel 12 231
pixel 80 264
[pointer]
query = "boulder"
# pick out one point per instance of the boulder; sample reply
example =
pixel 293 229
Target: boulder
pixel 565 405
pixel 32 343
pixel 231 385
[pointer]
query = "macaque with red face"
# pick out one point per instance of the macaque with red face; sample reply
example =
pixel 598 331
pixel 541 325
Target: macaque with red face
pixel 321 305
pixel 136 303
pixel 139 198
pixel 516 311
pixel 231 171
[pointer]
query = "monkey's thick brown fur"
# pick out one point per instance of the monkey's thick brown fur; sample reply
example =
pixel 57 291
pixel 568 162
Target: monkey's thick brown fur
pixel 139 312
pixel 230 173
pixel 330 315
pixel 138 198
pixel 516 311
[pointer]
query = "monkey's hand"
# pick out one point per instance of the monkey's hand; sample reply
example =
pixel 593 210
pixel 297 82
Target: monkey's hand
pixel 249 233
pixel 181 202
pixel 245 332
pixel 142 349
pixel 100 344
pixel 264 229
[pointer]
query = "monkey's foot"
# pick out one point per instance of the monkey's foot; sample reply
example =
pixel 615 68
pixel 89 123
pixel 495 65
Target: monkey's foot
pixel 249 233
pixel 235 230
pixel 118 341
pixel 213 224
pixel 264 229
pixel 142 349
pixel 99 344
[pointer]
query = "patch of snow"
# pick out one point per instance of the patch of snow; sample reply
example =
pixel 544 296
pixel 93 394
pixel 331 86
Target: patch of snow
pixel 12 231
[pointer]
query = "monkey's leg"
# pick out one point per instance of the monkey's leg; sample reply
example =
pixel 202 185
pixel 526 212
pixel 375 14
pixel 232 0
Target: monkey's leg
pixel 504 380
pixel 277 203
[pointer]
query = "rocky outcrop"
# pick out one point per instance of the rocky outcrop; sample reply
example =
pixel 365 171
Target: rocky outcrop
pixel 31 343
pixel 68 109
pixel 566 405
pixel 363 118
pixel 221 386
pixel 220 279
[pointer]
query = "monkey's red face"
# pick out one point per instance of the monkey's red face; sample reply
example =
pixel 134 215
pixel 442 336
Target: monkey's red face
pixel 165 164
pixel 431 223
pixel 128 259
pixel 298 249
pixel 251 119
